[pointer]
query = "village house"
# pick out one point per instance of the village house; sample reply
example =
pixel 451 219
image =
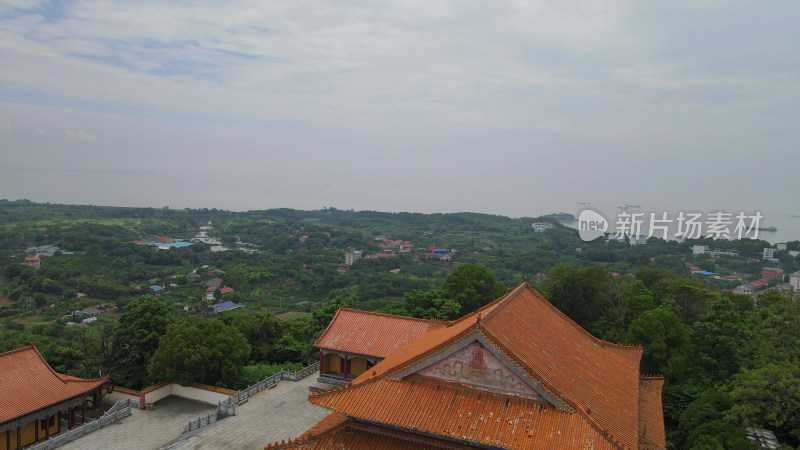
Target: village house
pixel 541 226
pixel 35 400
pixel 33 261
pixel 794 281
pixel 220 307
pixel 226 291
pixel 214 282
pixel 518 373
pixel 772 273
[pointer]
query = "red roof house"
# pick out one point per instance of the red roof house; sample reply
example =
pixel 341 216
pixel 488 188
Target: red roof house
pixel 226 291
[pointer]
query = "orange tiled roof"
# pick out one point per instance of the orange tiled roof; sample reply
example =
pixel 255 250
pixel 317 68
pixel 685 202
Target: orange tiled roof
pixel 651 413
pixel 593 379
pixel 337 431
pixel 371 334
pixel 28 384
pixel 471 416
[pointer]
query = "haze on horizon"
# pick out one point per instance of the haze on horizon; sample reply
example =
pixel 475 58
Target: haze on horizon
pixel 506 107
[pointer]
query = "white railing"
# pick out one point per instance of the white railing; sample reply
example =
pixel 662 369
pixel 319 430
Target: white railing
pixel 120 410
pixel 228 407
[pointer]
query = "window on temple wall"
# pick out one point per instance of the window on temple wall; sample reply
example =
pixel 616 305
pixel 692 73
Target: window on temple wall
pixel 48 423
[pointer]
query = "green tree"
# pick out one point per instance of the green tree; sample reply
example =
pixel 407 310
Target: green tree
pixel 717 340
pixel 200 351
pixel 579 293
pixel 662 335
pixel 472 286
pixel 717 435
pixel 139 328
pixel 768 397
pixel 429 305
pixel 262 331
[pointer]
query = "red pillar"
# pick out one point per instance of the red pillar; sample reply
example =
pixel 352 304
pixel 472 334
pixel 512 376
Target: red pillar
pixel 47 427
pixel 142 401
pixel 83 414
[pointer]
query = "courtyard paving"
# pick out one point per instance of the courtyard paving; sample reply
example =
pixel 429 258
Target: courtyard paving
pixel 276 414
pixel 145 429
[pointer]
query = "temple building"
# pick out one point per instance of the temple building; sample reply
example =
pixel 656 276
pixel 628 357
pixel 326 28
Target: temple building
pixel 35 401
pixel 355 341
pixel 516 374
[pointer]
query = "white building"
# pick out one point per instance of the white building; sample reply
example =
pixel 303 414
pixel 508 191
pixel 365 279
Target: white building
pixel 699 249
pixel 769 255
pixel 352 256
pixel 794 281
pixel 781 246
pixel 541 226
pixel 744 289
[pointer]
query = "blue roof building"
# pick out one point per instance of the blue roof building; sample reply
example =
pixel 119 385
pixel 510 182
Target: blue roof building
pixel 222 306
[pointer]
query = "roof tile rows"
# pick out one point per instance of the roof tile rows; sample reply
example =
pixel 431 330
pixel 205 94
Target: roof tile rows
pixel 467 415
pixel 28 384
pixel 338 432
pixel 371 334
pixel 597 380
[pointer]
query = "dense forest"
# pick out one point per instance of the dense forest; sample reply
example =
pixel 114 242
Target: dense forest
pixel 730 361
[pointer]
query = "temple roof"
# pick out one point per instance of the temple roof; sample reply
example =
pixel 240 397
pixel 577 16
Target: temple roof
pixel 371 334
pixel 337 431
pixel 28 384
pixel 471 416
pixel 586 384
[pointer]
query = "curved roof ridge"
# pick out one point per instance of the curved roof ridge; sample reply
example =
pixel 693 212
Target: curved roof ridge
pixel 585 332
pixel 603 432
pixel 328 327
pixel 504 300
pixel 41 358
pixel 491 305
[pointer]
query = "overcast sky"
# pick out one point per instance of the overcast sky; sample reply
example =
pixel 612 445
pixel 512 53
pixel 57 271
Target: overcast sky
pixel 510 107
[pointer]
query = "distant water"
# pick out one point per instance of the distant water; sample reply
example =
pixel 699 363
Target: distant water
pixel 787 227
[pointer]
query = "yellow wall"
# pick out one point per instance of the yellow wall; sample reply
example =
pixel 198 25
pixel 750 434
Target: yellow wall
pixel 358 366
pixel 331 363
pixel 28 434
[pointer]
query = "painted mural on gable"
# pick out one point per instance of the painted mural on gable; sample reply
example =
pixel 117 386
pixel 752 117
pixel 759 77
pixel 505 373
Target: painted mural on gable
pixel 474 365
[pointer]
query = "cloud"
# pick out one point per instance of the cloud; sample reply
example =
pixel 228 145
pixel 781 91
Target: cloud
pixel 487 90
pixel 81 135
